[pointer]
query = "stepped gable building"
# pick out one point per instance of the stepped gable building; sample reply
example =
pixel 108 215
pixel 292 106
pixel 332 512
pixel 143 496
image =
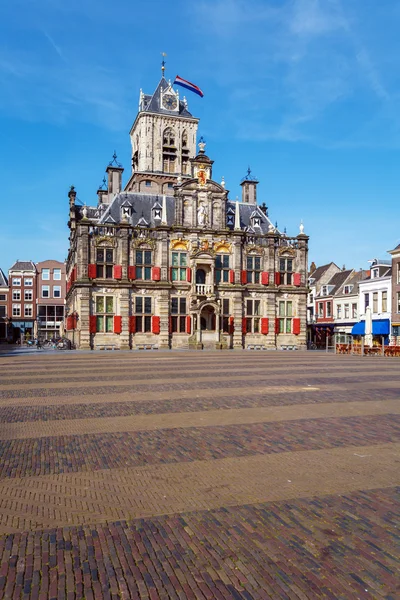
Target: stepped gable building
pixel 3 307
pixel 170 261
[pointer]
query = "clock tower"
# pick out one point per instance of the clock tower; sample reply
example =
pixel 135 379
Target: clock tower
pixel 163 139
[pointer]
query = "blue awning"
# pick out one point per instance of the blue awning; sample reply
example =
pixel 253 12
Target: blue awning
pixel 381 327
pixel 358 328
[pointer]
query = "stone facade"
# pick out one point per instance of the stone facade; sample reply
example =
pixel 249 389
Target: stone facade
pixel 170 261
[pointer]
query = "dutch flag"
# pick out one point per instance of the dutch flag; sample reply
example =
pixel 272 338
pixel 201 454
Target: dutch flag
pixel 188 85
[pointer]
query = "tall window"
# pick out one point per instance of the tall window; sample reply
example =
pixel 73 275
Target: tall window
pixel 398 272
pixel 104 314
pixel 28 295
pixel 143 314
pixel 3 311
pixel 56 291
pixel 286 271
pixel 366 301
pixel 3 297
pixel 45 291
pixel 346 311
pixel 178 315
pixel 225 315
pixel 28 281
pixel 45 274
pixel 354 311
pixel 16 281
pixel 57 274
pixel 285 316
pixel 16 295
pixel 104 263
pixel 375 302
pixel 328 309
pixel 185 154
pixel 339 311
pixel 222 268
pixel 28 310
pixel 320 309
pixel 253 269
pixel 143 264
pixel 179 265
pixel 253 316
pixel 384 301
pixel 169 151
pixel 398 302
pixel 16 310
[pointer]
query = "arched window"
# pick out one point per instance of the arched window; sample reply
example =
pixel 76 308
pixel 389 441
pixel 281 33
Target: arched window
pixel 169 151
pixel 185 154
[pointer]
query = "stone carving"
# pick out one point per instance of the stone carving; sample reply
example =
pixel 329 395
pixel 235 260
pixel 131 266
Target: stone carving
pixel 202 215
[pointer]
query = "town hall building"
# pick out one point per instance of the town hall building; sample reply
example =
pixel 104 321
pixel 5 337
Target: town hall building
pixel 170 261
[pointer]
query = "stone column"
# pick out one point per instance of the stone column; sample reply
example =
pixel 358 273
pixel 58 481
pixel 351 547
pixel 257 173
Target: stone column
pixel 84 313
pixel 123 253
pixel 163 311
pixel 124 302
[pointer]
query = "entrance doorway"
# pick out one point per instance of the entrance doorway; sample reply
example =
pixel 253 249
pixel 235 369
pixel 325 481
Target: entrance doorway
pixel 200 276
pixel 208 319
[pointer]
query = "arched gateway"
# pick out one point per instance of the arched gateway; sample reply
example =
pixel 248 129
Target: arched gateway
pixel 207 323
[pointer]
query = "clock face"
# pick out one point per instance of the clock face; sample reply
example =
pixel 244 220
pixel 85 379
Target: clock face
pixel 169 102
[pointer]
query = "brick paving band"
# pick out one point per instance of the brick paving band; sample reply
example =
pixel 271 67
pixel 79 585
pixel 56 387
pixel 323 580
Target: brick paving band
pixel 199 475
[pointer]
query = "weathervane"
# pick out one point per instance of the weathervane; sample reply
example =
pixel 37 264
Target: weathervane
pixel 163 54
pixel 114 161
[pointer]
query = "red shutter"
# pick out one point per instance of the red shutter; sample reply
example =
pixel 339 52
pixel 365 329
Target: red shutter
pixel 189 274
pixel 131 272
pixel 244 325
pixel 297 279
pixel 91 271
pixel 156 273
pixel 231 276
pixel 67 323
pixel 265 278
pixel 155 324
pixel 296 326
pixel 264 326
pixel 117 324
pixel 276 325
pixel 132 324
pixel 243 277
pixel 188 324
pixel 277 278
pixel 68 286
pixel 231 325
pixel 74 320
pixel 92 324
pixel 117 272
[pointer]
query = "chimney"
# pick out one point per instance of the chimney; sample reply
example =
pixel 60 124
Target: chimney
pixel 114 172
pixel 249 188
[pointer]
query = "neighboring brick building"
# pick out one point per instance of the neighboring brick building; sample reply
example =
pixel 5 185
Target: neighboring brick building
pixel 325 317
pixel 3 307
pixel 395 295
pixel 170 261
pixel 21 299
pixel 51 283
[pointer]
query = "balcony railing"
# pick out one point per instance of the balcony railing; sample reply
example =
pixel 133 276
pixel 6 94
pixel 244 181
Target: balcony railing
pixel 204 289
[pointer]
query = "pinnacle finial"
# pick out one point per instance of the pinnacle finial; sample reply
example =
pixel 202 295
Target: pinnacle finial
pixel 163 54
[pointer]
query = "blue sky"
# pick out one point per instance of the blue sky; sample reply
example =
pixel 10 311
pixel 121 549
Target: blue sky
pixel 306 92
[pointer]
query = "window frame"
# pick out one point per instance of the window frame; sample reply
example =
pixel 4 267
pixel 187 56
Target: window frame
pixel 56 287
pixel 366 300
pixel 28 293
pixel 144 315
pixel 104 317
pixel 3 307
pixel 285 316
pixel 58 271
pixel 354 310
pixel 16 281
pixel 16 310
pixel 222 268
pixel 143 266
pixel 178 315
pixel 28 281
pixel 16 296
pixel 28 310
pixel 286 274
pixel 47 289
pixel 47 271
pixel 105 265
pixel 179 270
pixel 225 315
pixel 253 315
pixel 375 303
pixel 255 270
pixel 384 300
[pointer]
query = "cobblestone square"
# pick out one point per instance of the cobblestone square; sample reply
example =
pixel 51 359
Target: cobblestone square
pixel 199 475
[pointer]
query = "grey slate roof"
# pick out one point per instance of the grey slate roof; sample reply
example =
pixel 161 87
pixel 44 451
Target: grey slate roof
pixel 152 103
pixel 142 211
pixel 354 281
pixel 3 279
pixel 338 280
pixel 319 271
pixel 21 265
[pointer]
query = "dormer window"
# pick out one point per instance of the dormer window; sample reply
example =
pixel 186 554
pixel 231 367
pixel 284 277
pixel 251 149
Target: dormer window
pixel 126 212
pixel 347 289
pixel 256 222
pixel 375 273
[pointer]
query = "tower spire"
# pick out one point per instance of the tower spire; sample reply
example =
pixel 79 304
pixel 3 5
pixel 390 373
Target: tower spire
pixel 163 54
